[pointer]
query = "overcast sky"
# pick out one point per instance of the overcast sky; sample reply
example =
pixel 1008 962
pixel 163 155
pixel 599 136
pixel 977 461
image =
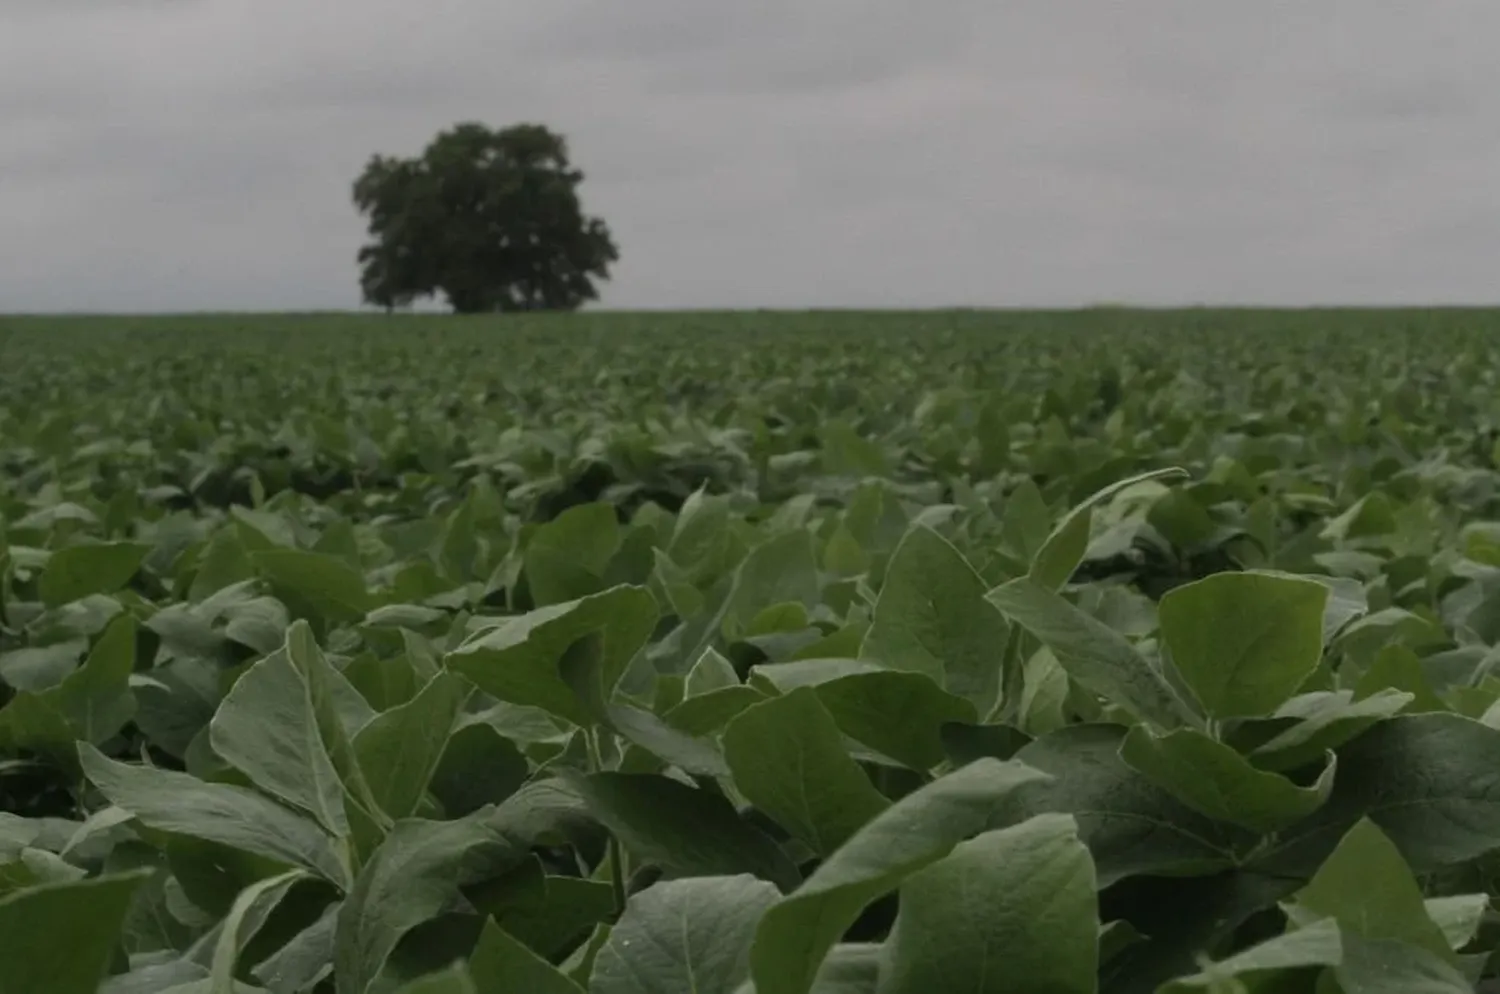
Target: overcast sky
pixel 197 154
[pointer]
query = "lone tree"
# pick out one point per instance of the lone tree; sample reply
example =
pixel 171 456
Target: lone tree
pixel 489 219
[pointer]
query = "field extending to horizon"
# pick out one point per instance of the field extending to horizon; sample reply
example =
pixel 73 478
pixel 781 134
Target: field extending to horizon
pixel 751 652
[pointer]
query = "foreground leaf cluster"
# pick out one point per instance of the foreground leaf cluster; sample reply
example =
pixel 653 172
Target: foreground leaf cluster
pixel 1129 678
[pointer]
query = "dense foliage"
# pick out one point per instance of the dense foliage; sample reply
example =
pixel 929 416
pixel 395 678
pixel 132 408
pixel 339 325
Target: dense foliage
pixel 489 219
pixel 1109 651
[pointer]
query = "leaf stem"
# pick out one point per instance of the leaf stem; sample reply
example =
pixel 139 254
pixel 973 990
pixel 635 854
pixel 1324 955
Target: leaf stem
pixel 615 852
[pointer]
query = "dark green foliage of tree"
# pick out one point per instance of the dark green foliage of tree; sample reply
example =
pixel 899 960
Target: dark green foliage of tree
pixel 489 219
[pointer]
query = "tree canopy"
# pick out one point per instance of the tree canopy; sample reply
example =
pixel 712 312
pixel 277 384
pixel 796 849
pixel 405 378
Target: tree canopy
pixel 490 219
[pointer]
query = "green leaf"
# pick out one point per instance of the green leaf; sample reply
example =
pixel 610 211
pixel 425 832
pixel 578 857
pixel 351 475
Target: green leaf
pixel 692 754
pixel 518 661
pixel 246 917
pixel 1367 887
pixel 966 743
pixel 1426 780
pixel 501 964
pixel 782 569
pixel 550 913
pixel 454 980
pixel 305 959
pixel 684 935
pixel 479 766
pixel 682 597
pixel 1324 721
pixel 411 878
pixel 1244 642
pixel 1218 782
pixel 233 816
pixel 1026 520
pixel 900 715
pixel 267 728
pixel 1459 916
pixel 1384 966
pixel 1131 826
pixel 77 571
pixel 61 937
pixel 579 965
pixel 91 704
pixel 1319 944
pixel 1397 667
pixel 400 749
pixel 796 934
pixel 711 672
pixel 1094 655
pixel 1022 895
pixel 707 714
pixel 327 585
pixel 567 557
pixel 1064 548
pixel 932 618
pixel 788 759
pixel 223 563
pixel 684 830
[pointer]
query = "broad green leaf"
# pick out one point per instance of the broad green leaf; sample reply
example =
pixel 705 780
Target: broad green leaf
pixel 1385 966
pixel 711 672
pixel 708 713
pixel 77 571
pixel 246 917
pixel 479 766
pixel 501 963
pixel 325 584
pixel 305 959
pixel 900 715
pixel 1367 887
pixel 684 935
pixel 1459 916
pixel 1425 780
pixel 1397 667
pixel 1214 780
pixel 932 618
pixel 1319 944
pixel 579 965
pixel 1026 521
pixel 684 830
pixel 518 661
pixel 341 711
pixel 567 557
pixel 233 816
pixel 966 743
pixel 1323 722
pixel 1023 895
pixel 91 704
pixel 701 528
pixel 36 668
pixel 60 938
pixel 1244 642
pixel 224 562
pixel 454 980
pixel 796 934
pixel 1131 826
pixel 682 597
pixel 693 754
pixel 1094 655
pixel 400 749
pixel 267 728
pixel 549 913
pixel 788 759
pixel 1064 548
pixel 411 878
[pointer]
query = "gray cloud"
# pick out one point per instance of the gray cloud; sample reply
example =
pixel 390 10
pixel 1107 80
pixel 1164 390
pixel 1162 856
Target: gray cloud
pixel 189 154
